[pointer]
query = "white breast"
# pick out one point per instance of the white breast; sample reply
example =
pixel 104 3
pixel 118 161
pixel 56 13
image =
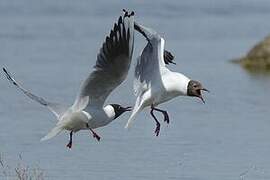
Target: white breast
pixel 101 117
pixel 74 121
pixel 109 110
pixel 173 85
pixel 176 82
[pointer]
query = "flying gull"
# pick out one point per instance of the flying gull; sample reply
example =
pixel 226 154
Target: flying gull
pixel 154 83
pixel 88 111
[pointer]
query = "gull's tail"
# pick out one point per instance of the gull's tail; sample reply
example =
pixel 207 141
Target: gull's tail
pixel 56 130
pixel 137 108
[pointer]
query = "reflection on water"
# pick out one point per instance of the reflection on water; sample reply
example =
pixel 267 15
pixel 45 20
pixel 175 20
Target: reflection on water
pixel 258 72
pixel 50 46
pixel 254 71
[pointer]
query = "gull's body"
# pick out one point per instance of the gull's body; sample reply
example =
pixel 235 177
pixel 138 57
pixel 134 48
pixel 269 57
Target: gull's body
pixel 88 110
pixel 154 83
pixel 75 121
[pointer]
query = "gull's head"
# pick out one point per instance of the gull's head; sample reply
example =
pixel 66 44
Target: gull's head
pixel 119 110
pixel 195 89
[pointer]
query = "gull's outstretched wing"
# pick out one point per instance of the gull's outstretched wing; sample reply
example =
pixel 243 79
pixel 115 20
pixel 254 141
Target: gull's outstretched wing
pixel 147 33
pixel 150 64
pixel 112 63
pixel 57 109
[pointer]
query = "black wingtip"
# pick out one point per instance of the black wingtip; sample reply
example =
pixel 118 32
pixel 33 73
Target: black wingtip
pixel 120 20
pixel 6 73
pixel 9 77
pixel 126 13
pixel 168 57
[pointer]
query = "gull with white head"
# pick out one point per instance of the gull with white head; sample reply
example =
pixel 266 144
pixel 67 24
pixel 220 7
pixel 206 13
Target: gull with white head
pixel 154 83
pixel 88 111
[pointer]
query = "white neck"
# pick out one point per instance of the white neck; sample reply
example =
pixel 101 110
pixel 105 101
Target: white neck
pixel 178 83
pixel 109 110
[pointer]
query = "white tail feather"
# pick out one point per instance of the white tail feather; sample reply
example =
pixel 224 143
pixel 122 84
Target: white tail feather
pixel 132 117
pixel 137 108
pixel 56 130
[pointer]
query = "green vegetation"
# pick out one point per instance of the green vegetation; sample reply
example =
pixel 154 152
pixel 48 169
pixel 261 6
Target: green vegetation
pixel 258 58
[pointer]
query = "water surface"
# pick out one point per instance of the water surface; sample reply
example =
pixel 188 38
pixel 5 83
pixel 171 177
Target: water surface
pixel 51 46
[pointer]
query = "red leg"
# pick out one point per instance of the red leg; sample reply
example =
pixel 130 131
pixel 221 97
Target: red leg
pixel 95 135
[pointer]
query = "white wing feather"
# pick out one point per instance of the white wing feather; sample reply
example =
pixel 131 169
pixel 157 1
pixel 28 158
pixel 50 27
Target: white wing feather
pixel 55 131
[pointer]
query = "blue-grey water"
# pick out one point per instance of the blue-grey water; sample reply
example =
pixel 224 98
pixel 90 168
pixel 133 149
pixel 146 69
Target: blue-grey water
pixel 51 46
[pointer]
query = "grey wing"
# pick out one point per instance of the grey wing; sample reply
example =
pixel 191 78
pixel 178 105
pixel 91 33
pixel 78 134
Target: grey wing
pixel 146 68
pixel 57 109
pixel 148 34
pixel 113 62
pixel 150 64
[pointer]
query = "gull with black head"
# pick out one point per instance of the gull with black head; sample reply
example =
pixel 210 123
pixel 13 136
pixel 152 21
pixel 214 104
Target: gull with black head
pixel 88 112
pixel 154 83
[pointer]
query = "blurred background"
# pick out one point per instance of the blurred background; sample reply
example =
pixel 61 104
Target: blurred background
pixel 51 47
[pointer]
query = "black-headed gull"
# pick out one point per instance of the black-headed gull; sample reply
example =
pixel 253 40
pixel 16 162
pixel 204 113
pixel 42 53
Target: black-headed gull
pixel 88 110
pixel 154 83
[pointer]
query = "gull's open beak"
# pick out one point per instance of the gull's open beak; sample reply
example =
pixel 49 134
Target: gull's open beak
pixel 129 108
pixel 203 89
pixel 202 99
pixel 200 96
